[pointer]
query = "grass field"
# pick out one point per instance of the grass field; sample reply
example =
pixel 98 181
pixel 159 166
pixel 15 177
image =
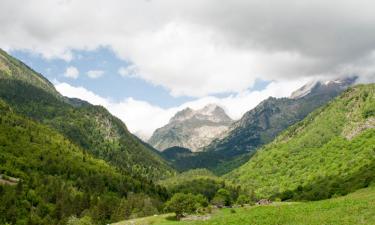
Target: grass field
pixel 355 208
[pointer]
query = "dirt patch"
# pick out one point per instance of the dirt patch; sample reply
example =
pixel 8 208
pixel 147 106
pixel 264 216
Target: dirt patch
pixel 359 128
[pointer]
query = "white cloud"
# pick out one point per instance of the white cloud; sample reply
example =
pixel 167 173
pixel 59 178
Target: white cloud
pixel 142 118
pixel 71 72
pixel 94 74
pixel 200 47
pixel 81 93
pixel 129 71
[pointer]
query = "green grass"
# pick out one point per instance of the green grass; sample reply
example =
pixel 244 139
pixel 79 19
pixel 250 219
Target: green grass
pixel 355 208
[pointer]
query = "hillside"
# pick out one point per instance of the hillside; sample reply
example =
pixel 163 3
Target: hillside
pixel 331 152
pixel 192 129
pixel 56 179
pixel 93 128
pixel 355 208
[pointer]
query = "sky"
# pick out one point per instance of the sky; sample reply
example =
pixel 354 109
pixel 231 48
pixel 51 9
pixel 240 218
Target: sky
pixel 144 60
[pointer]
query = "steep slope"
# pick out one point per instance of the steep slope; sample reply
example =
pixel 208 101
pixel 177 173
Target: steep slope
pixel 57 179
pixel 259 126
pixel 331 152
pixel 91 127
pixel 11 68
pixel 192 129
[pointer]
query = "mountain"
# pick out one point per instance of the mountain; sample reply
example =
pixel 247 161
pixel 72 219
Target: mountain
pixel 45 178
pixel 259 126
pixel 263 123
pixel 330 152
pixel 90 127
pixel 192 129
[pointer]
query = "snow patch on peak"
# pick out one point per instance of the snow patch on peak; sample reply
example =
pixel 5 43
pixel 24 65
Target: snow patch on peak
pixel 304 90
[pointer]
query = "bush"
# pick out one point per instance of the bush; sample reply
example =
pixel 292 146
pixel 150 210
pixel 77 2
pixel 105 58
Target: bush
pixel 182 204
pixel 243 199
pixel 222 198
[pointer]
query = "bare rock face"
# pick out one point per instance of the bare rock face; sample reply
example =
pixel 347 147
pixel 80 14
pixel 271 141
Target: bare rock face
pixel 192 129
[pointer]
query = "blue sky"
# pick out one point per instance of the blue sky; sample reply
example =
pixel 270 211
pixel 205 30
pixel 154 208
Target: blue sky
pixel 111 84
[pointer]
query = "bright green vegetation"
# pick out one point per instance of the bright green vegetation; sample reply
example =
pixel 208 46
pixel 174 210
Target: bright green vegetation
pixel 188 176
pixel 12 68
pixel 92 128
pixel 331 152
pixel 58 179
pixel 355 208
pixel 203 182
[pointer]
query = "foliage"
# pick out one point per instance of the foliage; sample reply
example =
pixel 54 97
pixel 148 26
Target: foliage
pixel 329 153
pixel 182 204
pixel 82 221
pixel 59 180
pixel 222 198
pixel 199 181
pixel 243 199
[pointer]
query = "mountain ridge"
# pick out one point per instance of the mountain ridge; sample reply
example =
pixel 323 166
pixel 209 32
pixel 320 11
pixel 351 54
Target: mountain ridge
pixel 192 129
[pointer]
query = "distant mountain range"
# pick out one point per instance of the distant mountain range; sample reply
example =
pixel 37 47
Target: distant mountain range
pixel 259 126
pixel 192 129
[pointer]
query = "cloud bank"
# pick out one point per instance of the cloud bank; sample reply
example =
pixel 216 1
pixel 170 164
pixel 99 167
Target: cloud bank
pixel 199 47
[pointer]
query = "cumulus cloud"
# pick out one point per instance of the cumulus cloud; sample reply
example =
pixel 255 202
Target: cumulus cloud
pixel 200 47
pixel 71 72
pixel 142 118
pixel 94 74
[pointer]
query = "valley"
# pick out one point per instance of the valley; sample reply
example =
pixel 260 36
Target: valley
pixel 306 159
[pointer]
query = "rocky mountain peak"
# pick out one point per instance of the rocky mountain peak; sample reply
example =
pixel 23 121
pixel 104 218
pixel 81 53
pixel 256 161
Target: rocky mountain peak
pixel 319 86
pixel 192 129
pixel 210 112
pixel 182 115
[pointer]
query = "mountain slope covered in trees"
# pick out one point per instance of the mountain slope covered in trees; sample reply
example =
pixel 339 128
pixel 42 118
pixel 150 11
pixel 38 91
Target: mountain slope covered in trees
pixel 331 152
pixel 56 179
pixel 93 128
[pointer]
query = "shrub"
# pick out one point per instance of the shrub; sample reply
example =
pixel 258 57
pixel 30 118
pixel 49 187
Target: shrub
pixel 182 204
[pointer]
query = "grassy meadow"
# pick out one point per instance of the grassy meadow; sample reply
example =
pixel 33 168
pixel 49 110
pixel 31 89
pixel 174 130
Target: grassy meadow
pixel 355 208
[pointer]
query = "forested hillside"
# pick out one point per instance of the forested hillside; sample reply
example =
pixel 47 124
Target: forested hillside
pixel 331 152
pixel 93 128
pixel 54 179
